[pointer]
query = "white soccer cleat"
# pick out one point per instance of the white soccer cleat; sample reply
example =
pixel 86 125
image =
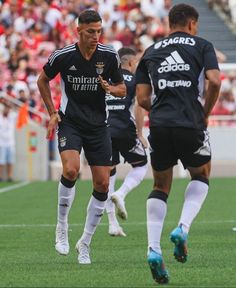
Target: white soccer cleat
pixel 234 229
pixel 120 206
pixel 115 230
pixel 83 253
pixel 62 244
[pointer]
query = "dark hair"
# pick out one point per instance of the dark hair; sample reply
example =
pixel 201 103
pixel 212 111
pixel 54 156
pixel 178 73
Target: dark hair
pixel 126 51
pixel 180 14
pixel 89 16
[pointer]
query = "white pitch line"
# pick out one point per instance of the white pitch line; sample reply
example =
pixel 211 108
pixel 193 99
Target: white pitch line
pixel 105 224
pixel 15 186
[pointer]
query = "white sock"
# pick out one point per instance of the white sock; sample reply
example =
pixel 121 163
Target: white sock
pixel 65 199
pixel 132 180
pixel 156 212
pixel 95 211
pixel 195 195
pixel 110 206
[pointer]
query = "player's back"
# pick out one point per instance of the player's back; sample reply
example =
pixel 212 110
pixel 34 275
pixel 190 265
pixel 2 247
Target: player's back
pixel 121 114
pixel 176 67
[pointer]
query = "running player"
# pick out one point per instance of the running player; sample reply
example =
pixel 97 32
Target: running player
pixel 170 81
pixel 86 69
pixel 127 141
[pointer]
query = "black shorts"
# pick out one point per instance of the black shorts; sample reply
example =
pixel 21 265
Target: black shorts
pixel 96 143
pixel 130 148
pixel 168 144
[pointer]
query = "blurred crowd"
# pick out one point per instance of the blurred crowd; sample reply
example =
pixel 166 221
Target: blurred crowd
pixel 31 30
pixel 226 104
pixel 228 7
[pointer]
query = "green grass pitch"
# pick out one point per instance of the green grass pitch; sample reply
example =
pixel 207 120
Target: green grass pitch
pixel 27 234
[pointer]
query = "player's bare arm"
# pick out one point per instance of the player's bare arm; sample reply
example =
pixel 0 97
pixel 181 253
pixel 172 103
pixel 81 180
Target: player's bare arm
pixel 139 113
pixel 212 93
pixel 44 88
pixel 117 89
pixel 143 93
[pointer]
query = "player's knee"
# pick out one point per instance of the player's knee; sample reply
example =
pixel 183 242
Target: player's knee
pixel 201 172
pixel 71 172
pixel 101 185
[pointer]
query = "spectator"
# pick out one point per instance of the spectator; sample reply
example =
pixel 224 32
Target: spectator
pixel 7 141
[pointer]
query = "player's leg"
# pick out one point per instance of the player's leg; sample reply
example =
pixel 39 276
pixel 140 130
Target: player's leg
pixel 156 213
pixel 132 180
pixel 69 144
pixel 97 148
pixel 195 195
pixel 2 161
pixel 114 227
pixel 196 157
pixel 95 210
pixel 162 160
pixel 10 162
pixel 134 153
pixel 66 193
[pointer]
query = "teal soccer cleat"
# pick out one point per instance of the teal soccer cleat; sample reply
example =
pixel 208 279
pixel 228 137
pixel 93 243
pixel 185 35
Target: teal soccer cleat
pixel 179 238
pixel 157 266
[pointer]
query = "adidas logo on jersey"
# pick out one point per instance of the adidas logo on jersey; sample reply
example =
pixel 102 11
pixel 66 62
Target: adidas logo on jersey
pixel 73 68
pixel 174 62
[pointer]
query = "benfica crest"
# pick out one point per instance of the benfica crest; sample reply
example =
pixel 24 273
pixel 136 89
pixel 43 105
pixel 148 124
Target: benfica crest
pixel 62 141
pixel 99 67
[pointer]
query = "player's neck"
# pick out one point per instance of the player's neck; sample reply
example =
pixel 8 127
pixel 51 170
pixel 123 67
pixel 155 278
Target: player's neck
pixel 182 29
pixel 86 52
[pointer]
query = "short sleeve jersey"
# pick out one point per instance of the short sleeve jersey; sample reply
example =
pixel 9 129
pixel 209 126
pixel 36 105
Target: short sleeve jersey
pixel 175 67
pixel 83 99
pixel 121 117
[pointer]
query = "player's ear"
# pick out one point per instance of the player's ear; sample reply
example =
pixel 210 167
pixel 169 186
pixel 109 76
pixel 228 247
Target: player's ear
pixel 78 29
pixel 130 63
pixel 190 25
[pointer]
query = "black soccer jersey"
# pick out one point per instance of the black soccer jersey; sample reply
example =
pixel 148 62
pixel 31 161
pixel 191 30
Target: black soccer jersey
pixel 83 99
pixel 121 118
pixel 175 67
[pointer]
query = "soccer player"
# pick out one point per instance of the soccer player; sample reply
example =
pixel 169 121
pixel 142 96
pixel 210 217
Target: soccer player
pixel 86 69
pixel 127 141
pixel 170 84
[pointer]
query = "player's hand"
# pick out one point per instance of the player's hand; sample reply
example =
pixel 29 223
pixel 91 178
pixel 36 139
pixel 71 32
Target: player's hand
pixel 53 122
pixel 143 141
pixel 104 84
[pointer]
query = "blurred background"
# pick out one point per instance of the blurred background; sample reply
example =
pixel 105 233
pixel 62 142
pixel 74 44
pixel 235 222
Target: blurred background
pixel 31 30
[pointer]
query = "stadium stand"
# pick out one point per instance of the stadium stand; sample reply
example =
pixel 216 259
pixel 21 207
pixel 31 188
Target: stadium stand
pixel 215 29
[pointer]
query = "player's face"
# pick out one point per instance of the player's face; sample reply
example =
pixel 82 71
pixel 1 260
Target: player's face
pixel 90 34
